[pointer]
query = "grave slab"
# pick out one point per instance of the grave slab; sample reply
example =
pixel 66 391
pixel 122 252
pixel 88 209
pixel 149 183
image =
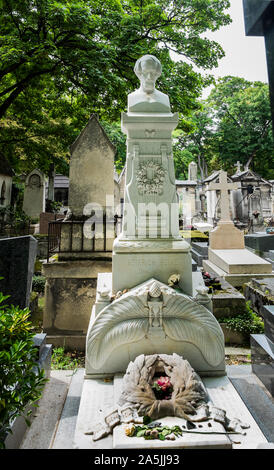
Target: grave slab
pixel 105 393
pixel 240 261
pixel 236 280
pixel 260 241
pixel 187 441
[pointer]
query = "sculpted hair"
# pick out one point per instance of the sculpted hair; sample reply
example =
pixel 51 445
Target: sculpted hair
pixel 150 58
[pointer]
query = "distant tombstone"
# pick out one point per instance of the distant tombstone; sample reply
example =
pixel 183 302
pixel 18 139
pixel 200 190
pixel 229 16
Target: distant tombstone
pixel 192 171
pixel 91 169
pixel 17 258
pixel 34 194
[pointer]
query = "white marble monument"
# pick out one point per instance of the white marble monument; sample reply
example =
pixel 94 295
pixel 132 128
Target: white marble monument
pixel 137 311
pixel 152 314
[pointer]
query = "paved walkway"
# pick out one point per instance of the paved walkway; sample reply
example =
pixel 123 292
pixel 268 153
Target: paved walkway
pixel 54 422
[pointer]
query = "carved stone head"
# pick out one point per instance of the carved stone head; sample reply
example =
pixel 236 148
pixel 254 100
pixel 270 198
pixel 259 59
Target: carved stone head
pixel 148 68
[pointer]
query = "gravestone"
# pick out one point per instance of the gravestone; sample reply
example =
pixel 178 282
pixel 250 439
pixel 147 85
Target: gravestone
pixel 70 289
pixel 192 171
pixel 227 255
pixel 91 169
pixel 17 258
pixel 34 194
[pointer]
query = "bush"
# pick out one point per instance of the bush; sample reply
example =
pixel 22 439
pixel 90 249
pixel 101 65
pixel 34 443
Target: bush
pixel 38 284
pixel 21 380
pixel 247 322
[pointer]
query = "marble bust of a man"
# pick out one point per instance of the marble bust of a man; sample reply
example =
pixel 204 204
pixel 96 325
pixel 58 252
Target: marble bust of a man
pixel 147 99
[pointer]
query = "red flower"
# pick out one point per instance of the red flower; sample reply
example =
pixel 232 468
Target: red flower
pixel 164 383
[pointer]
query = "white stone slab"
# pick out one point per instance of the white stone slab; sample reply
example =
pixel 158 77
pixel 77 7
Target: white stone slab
pixel 187 441
pixel 239 261
pixel 97 397
pixel 100 395
pixel 233 279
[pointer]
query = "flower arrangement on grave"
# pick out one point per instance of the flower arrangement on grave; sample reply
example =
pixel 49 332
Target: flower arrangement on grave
pixel 213 283
pixel 162 388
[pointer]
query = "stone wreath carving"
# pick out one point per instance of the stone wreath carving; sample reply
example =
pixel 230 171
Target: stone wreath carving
pixel 147 185
pixel 188 393
pixel 189 399
pixel 147 307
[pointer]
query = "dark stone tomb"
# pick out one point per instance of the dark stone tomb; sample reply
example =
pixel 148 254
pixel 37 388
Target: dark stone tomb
pixel 259 21
pixel 262 350
pixel 17 258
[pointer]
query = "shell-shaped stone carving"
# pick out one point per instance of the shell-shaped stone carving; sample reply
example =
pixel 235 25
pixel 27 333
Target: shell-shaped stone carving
pixel 126 321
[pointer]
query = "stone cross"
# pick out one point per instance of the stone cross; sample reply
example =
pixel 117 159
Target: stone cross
pixel 238 166
pixel 224 187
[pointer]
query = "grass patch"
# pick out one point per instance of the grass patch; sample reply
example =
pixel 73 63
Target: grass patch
pixel 63 360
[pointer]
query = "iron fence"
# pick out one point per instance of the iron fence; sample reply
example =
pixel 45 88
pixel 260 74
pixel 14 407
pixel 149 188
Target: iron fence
pixel 60 229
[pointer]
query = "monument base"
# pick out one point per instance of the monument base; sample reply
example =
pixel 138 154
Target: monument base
pixel 70 293
pixel 137 259
pixel 226 237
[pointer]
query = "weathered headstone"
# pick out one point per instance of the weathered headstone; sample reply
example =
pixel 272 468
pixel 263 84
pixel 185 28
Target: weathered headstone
pixel 91 169
pixel 34 194
pixel 192 171
pixel 71 281
pixel 17 258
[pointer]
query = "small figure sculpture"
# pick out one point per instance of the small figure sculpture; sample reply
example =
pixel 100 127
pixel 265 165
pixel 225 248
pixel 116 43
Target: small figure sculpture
pixel 147 98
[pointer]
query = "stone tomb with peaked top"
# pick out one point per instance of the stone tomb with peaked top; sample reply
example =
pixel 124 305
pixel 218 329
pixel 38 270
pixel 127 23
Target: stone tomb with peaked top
pixel 152 304
pixel 72 279
pixel 227 255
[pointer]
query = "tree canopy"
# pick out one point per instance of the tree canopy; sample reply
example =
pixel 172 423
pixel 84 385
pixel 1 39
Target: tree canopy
pixel 233 124
pixel 64 60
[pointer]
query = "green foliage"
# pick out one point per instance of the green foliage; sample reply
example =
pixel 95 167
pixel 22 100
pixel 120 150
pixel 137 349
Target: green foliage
pixel 38 284
pixel 64 60
pixel 243 130
pixel 246 323
pixel 21 381
pixel 64 360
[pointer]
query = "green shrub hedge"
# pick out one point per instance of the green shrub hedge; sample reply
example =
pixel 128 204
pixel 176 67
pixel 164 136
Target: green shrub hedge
pixel 21 380
pixel 38 284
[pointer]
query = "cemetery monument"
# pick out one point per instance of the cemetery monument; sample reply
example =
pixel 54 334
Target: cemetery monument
pixel 227 255
pixel 152 315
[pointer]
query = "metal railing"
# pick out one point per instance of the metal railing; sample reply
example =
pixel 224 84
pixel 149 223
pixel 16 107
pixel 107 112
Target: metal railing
pixel 74 233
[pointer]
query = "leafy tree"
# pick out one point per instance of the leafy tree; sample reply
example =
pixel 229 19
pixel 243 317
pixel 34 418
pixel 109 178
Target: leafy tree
pixel 196 143
pixel 242 115
pixel 63 60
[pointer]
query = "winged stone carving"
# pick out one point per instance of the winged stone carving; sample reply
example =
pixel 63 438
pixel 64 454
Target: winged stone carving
pixel 128 320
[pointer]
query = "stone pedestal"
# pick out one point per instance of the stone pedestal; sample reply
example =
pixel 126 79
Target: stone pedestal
pixel 70 293
pixel 137 260
pixel 226 237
